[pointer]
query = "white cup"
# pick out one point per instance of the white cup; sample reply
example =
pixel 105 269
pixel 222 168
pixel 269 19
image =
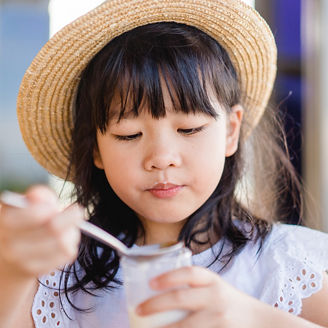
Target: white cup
pixel 138 272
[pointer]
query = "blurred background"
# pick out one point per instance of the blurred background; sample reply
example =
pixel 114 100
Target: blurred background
pixel 300 28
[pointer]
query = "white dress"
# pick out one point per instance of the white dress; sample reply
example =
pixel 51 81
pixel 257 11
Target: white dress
pixel 289 268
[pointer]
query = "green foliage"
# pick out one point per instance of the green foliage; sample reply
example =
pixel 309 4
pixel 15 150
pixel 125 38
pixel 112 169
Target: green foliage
pixel 17 185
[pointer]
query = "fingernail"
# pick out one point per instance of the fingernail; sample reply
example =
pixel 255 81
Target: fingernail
pixel 139 310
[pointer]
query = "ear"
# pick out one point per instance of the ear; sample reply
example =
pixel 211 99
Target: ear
pixel 97 160
pixel 234 119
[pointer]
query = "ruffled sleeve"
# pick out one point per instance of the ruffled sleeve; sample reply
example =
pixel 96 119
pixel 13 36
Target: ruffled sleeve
pixel 298 260
pixel 47 310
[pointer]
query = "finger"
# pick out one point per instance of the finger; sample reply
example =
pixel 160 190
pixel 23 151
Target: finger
pixel 37 215
pixel 50 229
pixel 204 319
pixel 34 215
pixel 28 247
pixel 58 253
pixel 193 276
pixel 39 257
pixel 71 216
pixel 38 267
pixel 21 247
pixel 190 299
pixel 41 194
pixel 41 203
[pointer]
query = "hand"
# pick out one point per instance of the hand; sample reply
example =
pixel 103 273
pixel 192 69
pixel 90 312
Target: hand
pixel 40 238
pixel 211 301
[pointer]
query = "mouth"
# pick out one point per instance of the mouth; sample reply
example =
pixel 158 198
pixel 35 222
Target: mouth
pixel 165 190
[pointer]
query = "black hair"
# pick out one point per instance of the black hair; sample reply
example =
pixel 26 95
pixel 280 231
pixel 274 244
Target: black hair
pixel 132 64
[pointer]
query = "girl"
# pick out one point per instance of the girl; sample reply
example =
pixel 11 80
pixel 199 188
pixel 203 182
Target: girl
pixel 152 109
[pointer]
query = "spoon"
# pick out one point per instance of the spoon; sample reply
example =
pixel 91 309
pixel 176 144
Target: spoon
pixel 19 201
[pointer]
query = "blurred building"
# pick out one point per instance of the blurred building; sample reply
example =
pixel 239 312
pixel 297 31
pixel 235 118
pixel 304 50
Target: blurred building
pixel 300 28
pixel 284 18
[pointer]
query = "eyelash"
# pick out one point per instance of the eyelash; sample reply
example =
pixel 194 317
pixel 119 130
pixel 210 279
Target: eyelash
pixel 128 138
pixel 187 132
pixel 191 131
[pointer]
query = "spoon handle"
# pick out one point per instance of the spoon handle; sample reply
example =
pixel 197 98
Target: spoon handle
pixel 101 235
pixel 17 200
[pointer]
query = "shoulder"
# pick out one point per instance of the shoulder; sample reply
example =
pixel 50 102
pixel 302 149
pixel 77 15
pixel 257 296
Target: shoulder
pixel 294 245
pixel 295 258
pixel 289 234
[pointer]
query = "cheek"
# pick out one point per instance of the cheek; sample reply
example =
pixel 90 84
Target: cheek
pixel 209 164
pixel 210 170
pixel 118 169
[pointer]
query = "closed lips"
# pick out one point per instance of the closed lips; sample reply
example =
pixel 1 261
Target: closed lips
pixel 167 190
pixel 164 186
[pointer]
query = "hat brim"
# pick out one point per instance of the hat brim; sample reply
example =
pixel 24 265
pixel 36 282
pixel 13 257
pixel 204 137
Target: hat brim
pixel 49 86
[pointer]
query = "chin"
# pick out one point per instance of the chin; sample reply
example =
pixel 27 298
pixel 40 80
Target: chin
pixel 162 217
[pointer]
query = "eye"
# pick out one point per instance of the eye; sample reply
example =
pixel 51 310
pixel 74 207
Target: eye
pixel 192 130
pixel 129 137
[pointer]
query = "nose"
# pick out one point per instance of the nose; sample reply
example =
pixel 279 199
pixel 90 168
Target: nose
pixel 162 155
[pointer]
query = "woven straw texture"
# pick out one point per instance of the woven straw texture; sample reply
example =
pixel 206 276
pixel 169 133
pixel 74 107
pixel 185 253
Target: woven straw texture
pixel 48 89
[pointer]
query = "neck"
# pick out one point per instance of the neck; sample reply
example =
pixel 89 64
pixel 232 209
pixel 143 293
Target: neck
pixel 159 233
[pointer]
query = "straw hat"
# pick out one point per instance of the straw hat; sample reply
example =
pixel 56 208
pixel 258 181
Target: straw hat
pixel 48 89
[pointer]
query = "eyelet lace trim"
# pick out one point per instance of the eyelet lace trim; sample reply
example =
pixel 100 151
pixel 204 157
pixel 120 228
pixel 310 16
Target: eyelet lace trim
pixel 302 282
pixel 301 260
pixel 47 310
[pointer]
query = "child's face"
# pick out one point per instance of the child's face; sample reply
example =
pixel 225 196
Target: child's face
pixel 165 169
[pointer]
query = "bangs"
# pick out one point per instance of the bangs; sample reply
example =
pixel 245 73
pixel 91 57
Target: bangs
pixel 141 85
pixel 129 74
